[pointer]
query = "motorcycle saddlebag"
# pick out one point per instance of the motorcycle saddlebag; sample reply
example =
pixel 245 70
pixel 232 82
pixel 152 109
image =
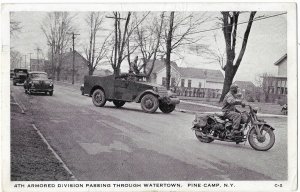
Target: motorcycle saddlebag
pixel 200 120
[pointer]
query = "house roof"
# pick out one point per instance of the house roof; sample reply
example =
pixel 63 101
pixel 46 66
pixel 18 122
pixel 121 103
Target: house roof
pixel 160 64
pixel 281 59
pixel 208 74
pixel 245 84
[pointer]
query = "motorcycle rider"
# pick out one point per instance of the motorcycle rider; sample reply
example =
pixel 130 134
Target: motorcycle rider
pixel 231 99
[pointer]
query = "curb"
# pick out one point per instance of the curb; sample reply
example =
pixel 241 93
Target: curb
pixel 73 178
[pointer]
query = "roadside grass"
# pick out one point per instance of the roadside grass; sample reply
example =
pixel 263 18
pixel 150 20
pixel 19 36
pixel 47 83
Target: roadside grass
pixel 266 108
pixel 31 160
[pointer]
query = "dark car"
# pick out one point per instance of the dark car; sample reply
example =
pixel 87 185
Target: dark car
pixel 12 73
pixel 19 76
pixel 38 81
pixel 129 88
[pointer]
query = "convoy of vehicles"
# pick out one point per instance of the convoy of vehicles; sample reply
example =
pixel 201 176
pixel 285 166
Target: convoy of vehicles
pixel 129 87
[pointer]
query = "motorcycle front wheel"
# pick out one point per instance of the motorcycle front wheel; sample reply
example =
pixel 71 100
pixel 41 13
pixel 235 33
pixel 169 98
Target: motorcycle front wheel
pixel 263 143
pixel 202 138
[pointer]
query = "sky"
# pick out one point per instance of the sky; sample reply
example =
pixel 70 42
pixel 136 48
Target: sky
pixel 266 44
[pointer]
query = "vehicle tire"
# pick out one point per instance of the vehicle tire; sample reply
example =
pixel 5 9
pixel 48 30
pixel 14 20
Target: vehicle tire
pixel 98 98
pixel 82 93
pixel 50 93
pixel 14 83
pixel 166 108
pixel 119 104
pixel 203 139
pixel 149 103
pixel 254 141
pixel 29 92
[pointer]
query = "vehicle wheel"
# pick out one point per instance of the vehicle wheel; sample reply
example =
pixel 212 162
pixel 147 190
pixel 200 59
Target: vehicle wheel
pixel 29 92
pixel 26 91
pixel 149 103
pixel 200 136
pixel 165 108
pixel 264 143
pixel 98 98
pixel 50 93
pixel 82 93
pixel 14 83
pixel 119 104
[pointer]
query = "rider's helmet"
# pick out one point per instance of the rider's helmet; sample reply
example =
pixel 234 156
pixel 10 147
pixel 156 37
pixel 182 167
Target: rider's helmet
pixel 234 88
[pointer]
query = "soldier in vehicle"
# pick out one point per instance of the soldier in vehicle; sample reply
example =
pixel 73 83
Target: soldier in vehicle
pixel 231 99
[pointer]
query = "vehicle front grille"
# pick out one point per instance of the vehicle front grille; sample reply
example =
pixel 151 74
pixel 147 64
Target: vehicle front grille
pixel 41 85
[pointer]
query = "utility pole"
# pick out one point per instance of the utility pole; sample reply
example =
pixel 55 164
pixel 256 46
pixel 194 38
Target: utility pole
pixel 30 60
pixel 73 38
pixel 117 19
pixel 37 57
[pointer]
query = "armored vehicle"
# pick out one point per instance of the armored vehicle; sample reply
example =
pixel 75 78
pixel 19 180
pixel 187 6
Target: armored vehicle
pixel 128 87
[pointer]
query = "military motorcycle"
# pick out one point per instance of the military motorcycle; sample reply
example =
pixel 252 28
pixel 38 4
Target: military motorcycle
pixel 210 127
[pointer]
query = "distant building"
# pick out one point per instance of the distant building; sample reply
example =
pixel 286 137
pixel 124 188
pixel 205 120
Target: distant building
pixel 189 81
pixel 80 67
pixel 38 64
pixel 276 86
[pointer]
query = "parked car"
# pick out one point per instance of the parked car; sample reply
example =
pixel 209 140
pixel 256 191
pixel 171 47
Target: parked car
pixel 38 81
pixel 129 88
pixel 19 76
pixel 12 73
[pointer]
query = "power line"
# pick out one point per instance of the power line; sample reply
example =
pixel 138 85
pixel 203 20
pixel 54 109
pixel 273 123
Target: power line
pixel 257 19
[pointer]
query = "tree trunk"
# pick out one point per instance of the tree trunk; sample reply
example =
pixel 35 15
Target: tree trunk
pixel 169 50
pixel 58 74
pixel 229 75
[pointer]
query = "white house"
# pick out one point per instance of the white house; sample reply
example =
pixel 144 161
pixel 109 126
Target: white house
pixel 187 77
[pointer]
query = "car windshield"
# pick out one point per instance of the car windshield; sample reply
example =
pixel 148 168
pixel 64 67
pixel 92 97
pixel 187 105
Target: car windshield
pixel 38 76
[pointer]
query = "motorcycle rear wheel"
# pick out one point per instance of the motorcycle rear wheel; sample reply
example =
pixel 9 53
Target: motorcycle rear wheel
pixel 203 139
pixel 254 141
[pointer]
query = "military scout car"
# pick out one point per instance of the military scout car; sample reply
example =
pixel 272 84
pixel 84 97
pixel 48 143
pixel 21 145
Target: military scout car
pixel 129 88
pixel 19 76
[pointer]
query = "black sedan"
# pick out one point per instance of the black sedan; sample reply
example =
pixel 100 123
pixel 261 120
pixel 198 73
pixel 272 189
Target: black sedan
pixel 38 81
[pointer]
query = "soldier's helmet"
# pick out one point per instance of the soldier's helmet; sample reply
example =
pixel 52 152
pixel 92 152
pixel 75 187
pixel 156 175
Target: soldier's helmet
pixel 234 88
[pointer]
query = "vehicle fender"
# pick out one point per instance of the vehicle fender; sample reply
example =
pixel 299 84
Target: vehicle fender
pixel 267 125
pixel 139 97
pixel 94 88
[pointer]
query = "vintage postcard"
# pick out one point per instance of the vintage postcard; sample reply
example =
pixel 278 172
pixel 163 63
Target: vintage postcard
pixel 149 97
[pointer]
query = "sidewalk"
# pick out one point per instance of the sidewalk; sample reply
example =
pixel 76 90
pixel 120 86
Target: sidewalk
pixel 31 159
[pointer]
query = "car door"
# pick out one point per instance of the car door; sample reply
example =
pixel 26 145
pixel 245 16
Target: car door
pixel 121 91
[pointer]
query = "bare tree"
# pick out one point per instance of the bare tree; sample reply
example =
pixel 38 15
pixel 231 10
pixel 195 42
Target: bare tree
pixel 122 39
pixel 95 54
pixel 148 36
pixel 56 27
pixel 182 30
pixel 15 58
pixel 230 24
pixel 15 26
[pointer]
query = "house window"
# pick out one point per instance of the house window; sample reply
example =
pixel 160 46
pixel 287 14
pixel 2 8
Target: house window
pixel 200 84
pixel 189 83
pixel 172 82
pixel 182 82
pixel 164 81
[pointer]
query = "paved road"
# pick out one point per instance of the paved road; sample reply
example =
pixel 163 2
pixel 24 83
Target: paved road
pixel 128 144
